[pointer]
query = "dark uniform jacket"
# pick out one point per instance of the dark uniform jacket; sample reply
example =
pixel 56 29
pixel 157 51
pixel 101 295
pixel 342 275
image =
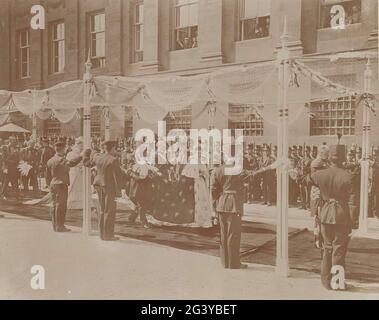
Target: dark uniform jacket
pixel 11 160
pixel 108 172
pixel 375 176
pixel 31 156
pixel 339 197
pixel 227 191
pixel 46 154
pixel 58 169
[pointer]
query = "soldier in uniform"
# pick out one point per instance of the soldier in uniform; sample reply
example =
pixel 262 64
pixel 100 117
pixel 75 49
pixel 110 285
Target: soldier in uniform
pixel 257 178
pixel 352 165
pixel 10 169
pixel 248 164
pixel 108 183
pixel 320 163
pixel 30 155
pixel 58 168
pixel 293 173
pixel 336 218
pixel 46 153
pixel 268 176
pixel 227 195
pixel 304 168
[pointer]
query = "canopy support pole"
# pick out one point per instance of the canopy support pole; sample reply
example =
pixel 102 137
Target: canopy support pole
pixel 365 164
pixel 282 268
pixel 87 78
pixel 107 131
pixel 34 117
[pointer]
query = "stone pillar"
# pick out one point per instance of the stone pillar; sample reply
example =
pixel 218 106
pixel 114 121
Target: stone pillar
pixel 150 37
pixel 282 267
pixel 210 32
pixel 87 79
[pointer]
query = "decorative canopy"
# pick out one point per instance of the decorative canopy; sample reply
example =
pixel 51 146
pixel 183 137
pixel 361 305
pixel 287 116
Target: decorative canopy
pixel 154 98
pixel 13 128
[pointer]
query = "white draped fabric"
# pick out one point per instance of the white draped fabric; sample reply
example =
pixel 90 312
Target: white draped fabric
pixel 175 93
pixel 243 85
pixel 154 98
pixel 114 91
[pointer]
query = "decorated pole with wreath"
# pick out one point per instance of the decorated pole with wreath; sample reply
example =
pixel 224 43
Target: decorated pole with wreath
pixel 107 131
pixel 365 163
pixel 87 78
pixel 34 117
pixel 282 172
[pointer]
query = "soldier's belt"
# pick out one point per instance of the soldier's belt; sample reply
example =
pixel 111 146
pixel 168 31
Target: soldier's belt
pixel 229 192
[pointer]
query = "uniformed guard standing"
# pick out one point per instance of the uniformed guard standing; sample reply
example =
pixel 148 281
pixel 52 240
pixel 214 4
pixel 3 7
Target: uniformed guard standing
pixel 321 162
pixel 11 174
pixel 304 185
pixel 58 168
pixel 30 155
pixel 227 195
pixel 46 153
pixel 268 177
pixel 337 220
pixel 108 183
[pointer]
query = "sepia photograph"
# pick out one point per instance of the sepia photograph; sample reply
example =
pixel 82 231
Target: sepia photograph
pixel 182 150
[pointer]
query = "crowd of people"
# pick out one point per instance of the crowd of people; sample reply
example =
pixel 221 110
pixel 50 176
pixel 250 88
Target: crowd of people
pixel 304 160
pixel 324 180
pixel 24 165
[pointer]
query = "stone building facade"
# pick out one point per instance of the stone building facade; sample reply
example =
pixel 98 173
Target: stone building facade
pixel 186 37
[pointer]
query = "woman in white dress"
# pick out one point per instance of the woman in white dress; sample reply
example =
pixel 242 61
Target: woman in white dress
pixel 203 206
pixel 75 191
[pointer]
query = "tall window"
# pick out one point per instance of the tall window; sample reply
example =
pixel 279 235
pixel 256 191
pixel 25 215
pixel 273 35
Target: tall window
pixel 186 15
pixel 181 119
pixel 57 48
pixel 24 53
pixel 254 19
pixel 128 128
pixel 97 39
pixel 52 127
pixel 245 117
pixel 352 9
pixel 96 121
pixel 138 31
pixel 330 117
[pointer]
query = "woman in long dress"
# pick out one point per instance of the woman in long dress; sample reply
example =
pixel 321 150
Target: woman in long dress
pixel 75 190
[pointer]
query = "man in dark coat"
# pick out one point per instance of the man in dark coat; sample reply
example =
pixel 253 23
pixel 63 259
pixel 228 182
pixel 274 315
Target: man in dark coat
pixel 58 168
pixel 10 170
pixel 304 175
pixel 31 156
pixel 228 198
pixel 337 214
pixel 108 184
pixel 46 153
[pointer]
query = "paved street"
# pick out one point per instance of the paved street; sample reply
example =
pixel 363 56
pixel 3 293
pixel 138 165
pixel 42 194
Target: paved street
pixel 298 218
pixel 79 267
